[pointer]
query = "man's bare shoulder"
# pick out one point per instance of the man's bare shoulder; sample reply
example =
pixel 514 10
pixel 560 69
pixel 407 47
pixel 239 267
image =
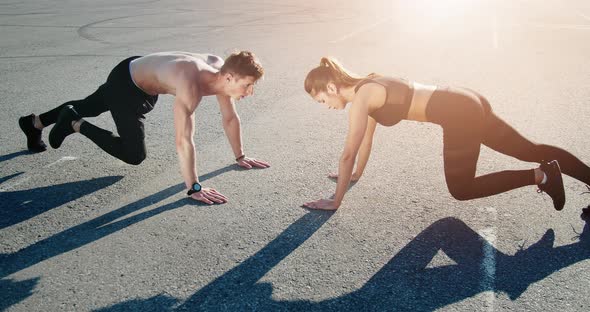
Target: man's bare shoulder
pixel 180 72
pixel 209 59
pixel 213 61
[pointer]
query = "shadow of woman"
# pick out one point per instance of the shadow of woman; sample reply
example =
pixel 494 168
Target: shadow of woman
pixel 237 289
pixel 405 283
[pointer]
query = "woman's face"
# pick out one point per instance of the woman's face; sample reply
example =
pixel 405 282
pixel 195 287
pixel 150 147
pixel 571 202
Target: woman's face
pixel 330 98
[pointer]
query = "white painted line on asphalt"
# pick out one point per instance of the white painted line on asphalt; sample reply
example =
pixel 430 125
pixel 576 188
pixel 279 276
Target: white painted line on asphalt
pixel 358 31
pixel 65 158
pixel 488 282
pixel 28 177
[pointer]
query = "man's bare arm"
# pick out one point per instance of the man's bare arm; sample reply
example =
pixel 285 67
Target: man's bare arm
pixel 184 128
pixel 232 127
pixel 185 103
pixel 231 124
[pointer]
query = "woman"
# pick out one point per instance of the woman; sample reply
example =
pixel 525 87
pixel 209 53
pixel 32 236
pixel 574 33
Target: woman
pixel 467 121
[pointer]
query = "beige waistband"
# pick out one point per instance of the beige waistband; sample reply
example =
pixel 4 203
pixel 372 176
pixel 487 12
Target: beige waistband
pixel 420 97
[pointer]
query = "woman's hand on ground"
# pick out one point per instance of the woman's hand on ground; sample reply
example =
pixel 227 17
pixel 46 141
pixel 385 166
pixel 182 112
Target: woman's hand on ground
pixel 209 196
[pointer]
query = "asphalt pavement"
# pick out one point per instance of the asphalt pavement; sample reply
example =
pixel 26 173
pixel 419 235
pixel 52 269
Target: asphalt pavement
pixel 82 231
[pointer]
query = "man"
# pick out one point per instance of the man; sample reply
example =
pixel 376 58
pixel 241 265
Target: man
pixel 132 89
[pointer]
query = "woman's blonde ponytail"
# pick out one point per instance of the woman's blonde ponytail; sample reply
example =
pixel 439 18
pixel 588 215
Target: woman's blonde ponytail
pixel 329 70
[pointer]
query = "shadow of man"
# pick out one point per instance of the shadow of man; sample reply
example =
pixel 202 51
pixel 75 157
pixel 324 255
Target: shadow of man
pixel 84 234
pixel 18 206
pixel 13 155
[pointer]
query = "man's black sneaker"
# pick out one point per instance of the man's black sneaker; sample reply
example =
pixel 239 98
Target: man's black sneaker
pixel 554 184
pixel 63 126
pixel 34 142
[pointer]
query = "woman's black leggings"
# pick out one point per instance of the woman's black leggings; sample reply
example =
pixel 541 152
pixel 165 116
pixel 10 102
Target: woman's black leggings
pixel 127 104
pixel 468 121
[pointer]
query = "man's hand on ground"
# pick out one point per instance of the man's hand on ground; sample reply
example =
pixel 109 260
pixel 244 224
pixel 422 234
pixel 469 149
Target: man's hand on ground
pixel 250 163
pixel 209 196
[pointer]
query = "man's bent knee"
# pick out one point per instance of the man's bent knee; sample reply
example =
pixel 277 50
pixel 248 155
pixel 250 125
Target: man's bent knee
pixel 134 159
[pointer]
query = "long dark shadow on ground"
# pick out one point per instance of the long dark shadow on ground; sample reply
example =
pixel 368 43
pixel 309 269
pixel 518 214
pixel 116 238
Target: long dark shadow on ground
pixel 237 289
pixel 13 292
pixel 18 206
pixel 405 283
pixel 81 235
pixel 13 155
pixel 6 178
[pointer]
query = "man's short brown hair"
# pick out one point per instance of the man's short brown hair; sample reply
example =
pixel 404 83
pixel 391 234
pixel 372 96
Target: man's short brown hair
pixel 243 63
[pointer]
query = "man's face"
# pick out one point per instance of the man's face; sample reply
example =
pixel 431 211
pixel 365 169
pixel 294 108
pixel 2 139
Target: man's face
pixel 239 87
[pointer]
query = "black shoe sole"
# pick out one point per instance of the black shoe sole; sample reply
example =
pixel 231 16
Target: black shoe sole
pixel 555 179
pixel 63 126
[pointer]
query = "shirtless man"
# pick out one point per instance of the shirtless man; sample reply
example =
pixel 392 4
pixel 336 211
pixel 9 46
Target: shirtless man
pixel 132 89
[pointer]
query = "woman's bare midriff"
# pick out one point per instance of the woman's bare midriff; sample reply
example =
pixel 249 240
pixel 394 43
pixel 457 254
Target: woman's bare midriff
pixel 420 97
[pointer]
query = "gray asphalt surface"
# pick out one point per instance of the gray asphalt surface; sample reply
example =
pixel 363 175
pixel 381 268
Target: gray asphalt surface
pixel 82 231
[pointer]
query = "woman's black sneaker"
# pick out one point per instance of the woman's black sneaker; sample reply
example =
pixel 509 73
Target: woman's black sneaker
pixel 554 184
